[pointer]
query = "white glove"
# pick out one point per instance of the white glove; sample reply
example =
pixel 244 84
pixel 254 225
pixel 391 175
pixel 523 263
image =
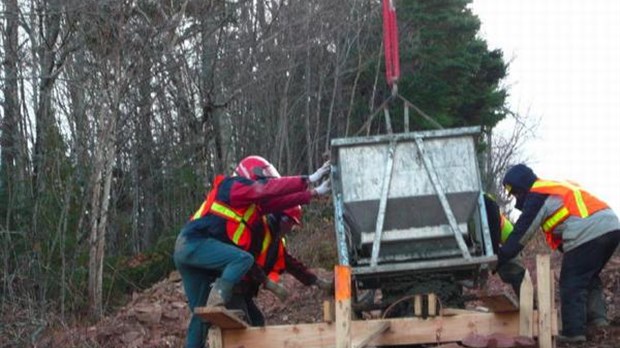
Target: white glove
pixel 320 173
pixel 322 189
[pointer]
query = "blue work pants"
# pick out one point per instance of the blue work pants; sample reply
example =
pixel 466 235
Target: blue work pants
pixel 200 261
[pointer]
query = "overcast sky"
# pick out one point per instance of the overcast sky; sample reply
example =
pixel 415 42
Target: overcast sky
pixel 565 71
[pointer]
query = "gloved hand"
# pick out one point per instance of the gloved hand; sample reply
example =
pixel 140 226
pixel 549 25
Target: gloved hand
pixel 320 173
pixel 322 189
pixel 276 289
pixel 325 285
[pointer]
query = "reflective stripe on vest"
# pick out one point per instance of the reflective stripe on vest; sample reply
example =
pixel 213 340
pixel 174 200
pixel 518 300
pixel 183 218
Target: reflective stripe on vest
pixel 280 264
pixel 237 225
pixel 576 202
pixel 505 228
pixel 262 257
pixel 231 215
pixel 204 207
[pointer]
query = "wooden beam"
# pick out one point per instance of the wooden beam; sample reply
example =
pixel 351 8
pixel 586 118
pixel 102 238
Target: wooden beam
pixel 417 305
pixel 328 311
pixel 526 306
pixel 401 331
pixel 343 306
pixel 543 277
pixel 369 336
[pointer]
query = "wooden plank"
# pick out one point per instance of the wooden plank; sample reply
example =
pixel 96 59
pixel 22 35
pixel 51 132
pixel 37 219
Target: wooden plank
pixel 554 315
pixel 374 332
pixel 401 331
pixel 343 306
pixel 417 305
pixel 543 277
pixel 221 317
pixel 500 303
pixel 526 306
pixel 432 305
pixel 215 337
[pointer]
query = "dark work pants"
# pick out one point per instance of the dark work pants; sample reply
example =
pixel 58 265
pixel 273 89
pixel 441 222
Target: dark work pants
pixel 246 303
pixel 580 286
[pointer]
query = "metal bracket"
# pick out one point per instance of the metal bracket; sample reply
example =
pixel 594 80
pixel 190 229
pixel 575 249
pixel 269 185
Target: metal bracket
pixel 387 178
pixel 343 254
pixel 442 197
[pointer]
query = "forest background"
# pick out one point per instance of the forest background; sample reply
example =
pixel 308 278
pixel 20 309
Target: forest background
pixel 116 115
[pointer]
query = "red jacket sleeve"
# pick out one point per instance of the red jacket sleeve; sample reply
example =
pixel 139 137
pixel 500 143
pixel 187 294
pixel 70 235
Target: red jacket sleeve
pixel 271 195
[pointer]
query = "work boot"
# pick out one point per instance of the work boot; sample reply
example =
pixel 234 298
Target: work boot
pixel 220 294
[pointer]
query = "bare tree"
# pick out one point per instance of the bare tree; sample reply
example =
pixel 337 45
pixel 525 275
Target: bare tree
pixel 506 149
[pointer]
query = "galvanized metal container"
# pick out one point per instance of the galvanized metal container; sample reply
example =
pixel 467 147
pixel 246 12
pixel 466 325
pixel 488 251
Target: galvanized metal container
pixel 410 202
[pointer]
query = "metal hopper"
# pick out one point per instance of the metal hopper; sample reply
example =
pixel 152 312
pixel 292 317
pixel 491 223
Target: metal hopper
pixel 410 202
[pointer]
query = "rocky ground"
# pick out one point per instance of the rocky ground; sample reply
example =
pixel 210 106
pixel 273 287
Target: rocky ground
pixel 157 317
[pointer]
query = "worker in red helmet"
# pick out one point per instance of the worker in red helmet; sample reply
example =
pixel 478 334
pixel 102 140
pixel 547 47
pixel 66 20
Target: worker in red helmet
pixel 215 248
pixel 275 260
pixel 575 222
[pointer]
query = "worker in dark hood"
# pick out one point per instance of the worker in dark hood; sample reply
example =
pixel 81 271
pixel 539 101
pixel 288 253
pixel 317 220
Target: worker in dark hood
pixel 578 224
pixel 511 271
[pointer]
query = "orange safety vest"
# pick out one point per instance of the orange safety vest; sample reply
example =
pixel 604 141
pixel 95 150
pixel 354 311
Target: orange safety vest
pixel 576 202
pixel 280 263
pixel 238 220
pixel 271 258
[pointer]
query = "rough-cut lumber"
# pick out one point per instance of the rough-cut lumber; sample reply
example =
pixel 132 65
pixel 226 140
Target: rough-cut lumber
pixel 417 305
pixel 221 317
pixel 432 305
pixel 328 311
pixel 361 342
pixel 215 337
pixel 543 277
pixel 343 306
pixel 401 331
pixel 526 306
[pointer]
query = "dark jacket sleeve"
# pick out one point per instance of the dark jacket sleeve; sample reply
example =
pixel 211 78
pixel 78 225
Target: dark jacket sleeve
pixel 298 270
pixel 528 223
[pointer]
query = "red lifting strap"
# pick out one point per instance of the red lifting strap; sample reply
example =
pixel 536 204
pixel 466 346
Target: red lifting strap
pixel 390 42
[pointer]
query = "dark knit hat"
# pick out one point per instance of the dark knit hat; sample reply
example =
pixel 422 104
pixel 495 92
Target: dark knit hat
pixel 519 179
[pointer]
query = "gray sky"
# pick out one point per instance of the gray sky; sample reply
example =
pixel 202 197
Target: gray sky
pixel 565 71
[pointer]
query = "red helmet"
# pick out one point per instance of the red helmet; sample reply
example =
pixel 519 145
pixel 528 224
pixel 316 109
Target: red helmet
pixel 256 167
pixel 294 213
